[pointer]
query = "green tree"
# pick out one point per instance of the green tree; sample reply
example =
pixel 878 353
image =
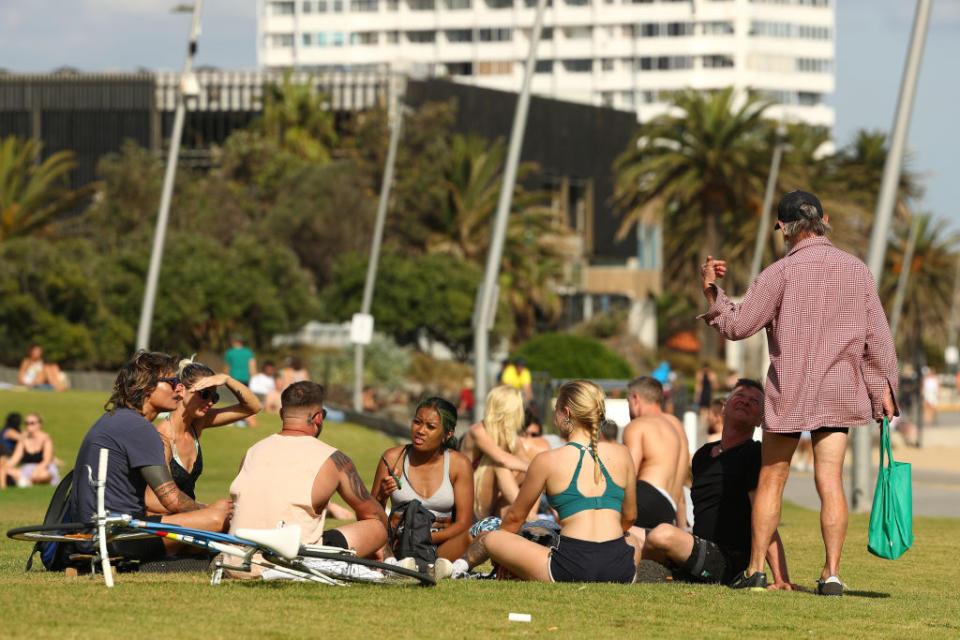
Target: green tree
pixel 50 293
pixel 534 237
pixel 206 291
pixel 296 129
pixel 567 356
pixel 429 296
pixel 33 193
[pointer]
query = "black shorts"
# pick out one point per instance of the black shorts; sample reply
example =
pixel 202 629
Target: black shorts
pixel 142 549
pixel 653 507
pixel 796 434
pixel 711 563
pixel 575 560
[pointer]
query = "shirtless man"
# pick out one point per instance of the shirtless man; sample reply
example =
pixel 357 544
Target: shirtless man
pixel 658 445
pixel 291 476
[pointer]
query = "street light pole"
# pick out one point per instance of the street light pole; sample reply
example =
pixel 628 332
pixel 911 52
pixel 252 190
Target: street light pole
pixel 396 116
pixel 163 215
pixel 862 438
pixel 904 277
pixel 481 337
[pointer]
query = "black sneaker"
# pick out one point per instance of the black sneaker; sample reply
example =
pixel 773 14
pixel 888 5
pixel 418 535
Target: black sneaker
pixel 755 582
pixel 829 587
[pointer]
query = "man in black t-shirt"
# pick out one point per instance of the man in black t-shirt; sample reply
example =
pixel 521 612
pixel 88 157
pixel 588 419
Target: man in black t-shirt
pixel 724 482
pixel 145 386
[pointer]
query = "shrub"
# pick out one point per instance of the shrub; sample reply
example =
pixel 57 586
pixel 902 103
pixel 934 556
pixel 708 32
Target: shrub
pixel 569 356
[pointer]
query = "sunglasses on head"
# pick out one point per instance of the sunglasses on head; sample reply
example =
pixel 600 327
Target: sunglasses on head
pixel 173 381
pixel 210 394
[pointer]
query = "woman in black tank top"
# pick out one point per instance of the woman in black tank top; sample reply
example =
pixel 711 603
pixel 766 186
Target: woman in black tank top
pixel 32 459
pixel 196 412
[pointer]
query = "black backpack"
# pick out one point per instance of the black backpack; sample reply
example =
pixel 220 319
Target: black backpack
pixel 411 538
pixel 55 555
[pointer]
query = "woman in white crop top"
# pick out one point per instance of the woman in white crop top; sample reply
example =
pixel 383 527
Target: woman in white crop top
pixel 431 471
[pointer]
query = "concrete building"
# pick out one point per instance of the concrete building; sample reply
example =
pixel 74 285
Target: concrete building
pixel 625 54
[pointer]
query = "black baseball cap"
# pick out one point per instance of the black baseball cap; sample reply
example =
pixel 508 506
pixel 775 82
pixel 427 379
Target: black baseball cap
pixel 789 209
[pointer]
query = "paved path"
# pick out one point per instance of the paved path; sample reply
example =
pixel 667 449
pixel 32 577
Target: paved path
pixel 935 493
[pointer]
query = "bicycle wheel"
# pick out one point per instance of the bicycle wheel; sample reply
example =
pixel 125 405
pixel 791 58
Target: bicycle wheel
pixel 384 574
pixel 64 532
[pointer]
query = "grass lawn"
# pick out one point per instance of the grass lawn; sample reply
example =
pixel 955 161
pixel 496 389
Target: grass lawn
pixel 914 596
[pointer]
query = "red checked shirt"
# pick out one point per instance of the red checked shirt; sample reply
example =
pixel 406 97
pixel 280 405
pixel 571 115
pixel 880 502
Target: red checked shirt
pixel 831 352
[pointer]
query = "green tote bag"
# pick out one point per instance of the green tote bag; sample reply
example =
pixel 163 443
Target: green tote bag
pixel 891 518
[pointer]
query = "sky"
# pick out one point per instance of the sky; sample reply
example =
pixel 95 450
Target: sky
pixel 872 40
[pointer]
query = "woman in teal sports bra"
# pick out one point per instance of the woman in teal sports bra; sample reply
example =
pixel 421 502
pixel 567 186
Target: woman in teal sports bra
pixel 591 486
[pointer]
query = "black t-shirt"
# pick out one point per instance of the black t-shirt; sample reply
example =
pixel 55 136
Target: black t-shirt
pixel 133 443
pixel 720 494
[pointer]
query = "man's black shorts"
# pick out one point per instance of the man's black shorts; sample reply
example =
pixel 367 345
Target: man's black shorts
pixel 796 434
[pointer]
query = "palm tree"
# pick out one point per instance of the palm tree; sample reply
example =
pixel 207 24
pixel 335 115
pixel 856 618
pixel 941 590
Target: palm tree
pixel 700 171
pixel 535 232
pixel 697 171
pixel 851 185
pixel 34 194
pixel 928 301
pixel 299 120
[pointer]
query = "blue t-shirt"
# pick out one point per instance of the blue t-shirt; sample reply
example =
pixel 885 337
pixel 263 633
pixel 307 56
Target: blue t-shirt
pixel 238 360
pixel 133 443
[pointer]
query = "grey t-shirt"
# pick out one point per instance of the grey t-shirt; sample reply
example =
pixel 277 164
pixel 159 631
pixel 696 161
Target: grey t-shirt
pixel 133 443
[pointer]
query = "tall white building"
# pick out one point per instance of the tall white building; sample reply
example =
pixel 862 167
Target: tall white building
pixel 617 53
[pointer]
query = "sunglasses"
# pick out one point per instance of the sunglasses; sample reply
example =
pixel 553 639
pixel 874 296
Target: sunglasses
pixel 210 394
pixel 173 381
pixel 323 415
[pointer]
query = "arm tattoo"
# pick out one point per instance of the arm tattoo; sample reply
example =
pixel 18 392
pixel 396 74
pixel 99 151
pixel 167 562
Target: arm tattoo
pixel 346 465
pixel 477 551
pixel 173 499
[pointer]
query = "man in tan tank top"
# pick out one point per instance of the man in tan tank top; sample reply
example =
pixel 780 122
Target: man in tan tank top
pixel 658 446
pixel 290 477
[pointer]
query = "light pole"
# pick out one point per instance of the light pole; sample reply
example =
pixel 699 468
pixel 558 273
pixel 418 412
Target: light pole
pixel 861 438
pixel 487 299
pixel 163 216
pixel 396 120
pixel 904 277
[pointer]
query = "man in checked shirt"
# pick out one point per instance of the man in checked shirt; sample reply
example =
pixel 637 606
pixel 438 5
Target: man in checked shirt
pixel 832 366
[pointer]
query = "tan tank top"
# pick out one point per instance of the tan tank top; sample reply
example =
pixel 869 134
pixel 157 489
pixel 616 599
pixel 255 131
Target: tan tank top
pixel 275 484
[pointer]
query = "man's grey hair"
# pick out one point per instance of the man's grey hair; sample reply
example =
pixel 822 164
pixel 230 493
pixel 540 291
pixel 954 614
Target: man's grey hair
pixel 810 223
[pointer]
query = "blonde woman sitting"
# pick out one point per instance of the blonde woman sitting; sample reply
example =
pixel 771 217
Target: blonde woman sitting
pixel 491 446
pixel 591 485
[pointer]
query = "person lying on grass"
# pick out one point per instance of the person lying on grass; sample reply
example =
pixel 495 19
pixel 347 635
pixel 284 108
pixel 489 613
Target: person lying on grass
pixel 145 386
pixel 290 477
pixel 591 486
pixel 430 471
pixel 195 413
pixel 725 477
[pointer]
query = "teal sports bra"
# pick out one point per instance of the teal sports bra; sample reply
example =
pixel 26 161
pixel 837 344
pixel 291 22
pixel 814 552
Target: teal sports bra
pixel 571 501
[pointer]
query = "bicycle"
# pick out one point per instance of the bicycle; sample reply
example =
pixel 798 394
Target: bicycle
pixel 277 550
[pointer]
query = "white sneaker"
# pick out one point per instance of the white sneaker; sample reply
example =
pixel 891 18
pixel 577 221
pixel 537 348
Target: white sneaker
pixel 440 569
pixel 459 568
pixel 409 563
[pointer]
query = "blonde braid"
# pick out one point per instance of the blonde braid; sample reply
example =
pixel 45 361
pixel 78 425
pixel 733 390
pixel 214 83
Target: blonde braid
pixel 596 454
pixel 594 436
